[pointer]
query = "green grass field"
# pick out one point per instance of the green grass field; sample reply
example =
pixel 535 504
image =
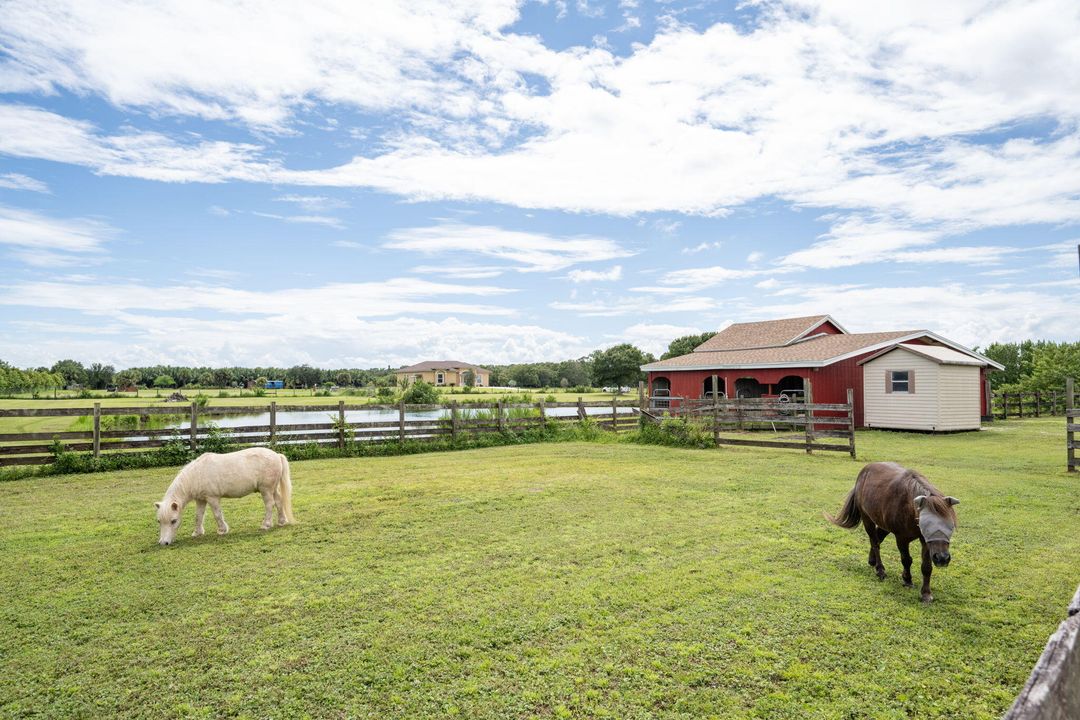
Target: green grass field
pixel 553 580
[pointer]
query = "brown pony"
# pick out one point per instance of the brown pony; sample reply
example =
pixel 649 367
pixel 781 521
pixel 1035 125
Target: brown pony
pixel 889 498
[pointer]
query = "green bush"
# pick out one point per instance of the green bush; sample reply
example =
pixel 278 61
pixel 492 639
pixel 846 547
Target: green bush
pixel 420 393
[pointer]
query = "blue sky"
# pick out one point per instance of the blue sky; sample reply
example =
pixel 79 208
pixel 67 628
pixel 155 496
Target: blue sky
pixel 354 184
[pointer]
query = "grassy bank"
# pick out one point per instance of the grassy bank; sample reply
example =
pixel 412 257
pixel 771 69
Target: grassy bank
pixel 553 580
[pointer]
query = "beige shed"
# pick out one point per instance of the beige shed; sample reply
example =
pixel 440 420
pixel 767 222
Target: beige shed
pixel 922 387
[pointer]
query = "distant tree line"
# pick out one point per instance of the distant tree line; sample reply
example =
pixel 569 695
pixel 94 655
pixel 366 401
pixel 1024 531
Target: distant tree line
pixel 617 366
pixel 1033 365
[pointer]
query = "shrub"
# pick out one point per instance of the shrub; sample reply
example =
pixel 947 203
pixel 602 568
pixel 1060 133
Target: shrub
pixel 420 393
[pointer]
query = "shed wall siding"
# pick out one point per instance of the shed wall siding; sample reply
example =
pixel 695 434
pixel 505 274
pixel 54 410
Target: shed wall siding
pixel 903 411
pixel 960 393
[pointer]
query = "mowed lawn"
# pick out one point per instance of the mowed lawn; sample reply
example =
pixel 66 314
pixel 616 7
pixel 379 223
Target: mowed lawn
pixel 554 580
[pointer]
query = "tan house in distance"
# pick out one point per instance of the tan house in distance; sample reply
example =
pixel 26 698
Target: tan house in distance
pixel 445 373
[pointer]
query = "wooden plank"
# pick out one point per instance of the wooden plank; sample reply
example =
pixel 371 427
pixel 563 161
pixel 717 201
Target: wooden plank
pixel 73 435
pixel 808 394
pixel 780 444
pixel 851 421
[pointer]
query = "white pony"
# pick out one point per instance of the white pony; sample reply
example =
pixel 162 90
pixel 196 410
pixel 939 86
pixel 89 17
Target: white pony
pixel 212 476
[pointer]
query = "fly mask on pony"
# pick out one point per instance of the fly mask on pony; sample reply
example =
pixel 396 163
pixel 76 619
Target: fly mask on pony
pixel 936 527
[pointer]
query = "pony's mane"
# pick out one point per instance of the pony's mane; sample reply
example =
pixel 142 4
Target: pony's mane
pixel 921 486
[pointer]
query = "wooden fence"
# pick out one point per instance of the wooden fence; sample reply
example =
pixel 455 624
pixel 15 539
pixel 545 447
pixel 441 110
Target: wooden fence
pixel 1032 404
pixel 1052 691
pixel 451 420
pixel 811 426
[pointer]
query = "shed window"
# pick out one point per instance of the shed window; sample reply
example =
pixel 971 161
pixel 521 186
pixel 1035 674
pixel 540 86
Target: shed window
pixel 900 381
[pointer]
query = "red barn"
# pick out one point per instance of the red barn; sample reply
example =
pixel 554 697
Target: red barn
pixel 766 359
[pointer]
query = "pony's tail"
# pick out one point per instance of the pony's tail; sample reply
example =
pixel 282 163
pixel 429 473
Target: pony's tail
pixel 285 489
pixel 849 514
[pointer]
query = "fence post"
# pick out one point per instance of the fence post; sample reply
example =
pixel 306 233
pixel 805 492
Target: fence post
pixel 614 416
pixel 581 408
pixel 341 424
pixel 499 410
pixel 1004 406
pixel 194 426
pixel 1071 414
pixel 851 421
pixel 715 415
pixel 808 398
pixel 1053 402
pixel 453 420
pixel 1038 399
pixel 273 422
pixel 401 421
pixel 97 429
pixel 543 413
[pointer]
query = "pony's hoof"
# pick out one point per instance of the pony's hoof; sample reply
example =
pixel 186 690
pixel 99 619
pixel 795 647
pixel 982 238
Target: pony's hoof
pixel 197 533
pixel 265 527
pixel 223 531
pixel 908 583
pixel 927 598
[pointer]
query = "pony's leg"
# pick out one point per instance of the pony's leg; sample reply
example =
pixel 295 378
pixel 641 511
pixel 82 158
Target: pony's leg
pixel 268 503
pixel 280 502
pixel 927 568
pixel 200 513
pixel 215 506
pixel 905 558
pixel 874 559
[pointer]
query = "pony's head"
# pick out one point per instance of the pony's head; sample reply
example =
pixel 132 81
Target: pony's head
pixel 937 521
pixel 168 515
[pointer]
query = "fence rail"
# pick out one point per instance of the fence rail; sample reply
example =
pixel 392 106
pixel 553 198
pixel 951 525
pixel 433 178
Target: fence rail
pixel 815 422
pixel 457 419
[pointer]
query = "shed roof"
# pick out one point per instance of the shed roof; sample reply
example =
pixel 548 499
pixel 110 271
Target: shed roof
pixel 936 353
pixel 766 333
pixel 429 365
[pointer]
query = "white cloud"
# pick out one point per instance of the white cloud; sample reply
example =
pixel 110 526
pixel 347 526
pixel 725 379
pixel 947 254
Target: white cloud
pixel 581 276
pixel 654 338
pixel 969 315
pixel 327 220
pixel 17 181
pixel 338 301
pixel 527 251
pixel 41 241
pixel 701 247
pixel 636 305
pixel 755 257
pixel 464 272
pixel 314 203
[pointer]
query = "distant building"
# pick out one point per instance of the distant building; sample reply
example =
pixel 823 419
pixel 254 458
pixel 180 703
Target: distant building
pixel 444 373
pixel 275 384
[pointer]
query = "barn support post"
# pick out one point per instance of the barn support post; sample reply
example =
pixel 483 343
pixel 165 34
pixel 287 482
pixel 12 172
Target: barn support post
pixel 341 424
pixel 1071 415
pixel 97 429
pixel 194 427
pixel 851 421
pixel 453 420
pixel 641 395
pixel 273 422
pixel 808 398
pixel 715 412
pixel 401 421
